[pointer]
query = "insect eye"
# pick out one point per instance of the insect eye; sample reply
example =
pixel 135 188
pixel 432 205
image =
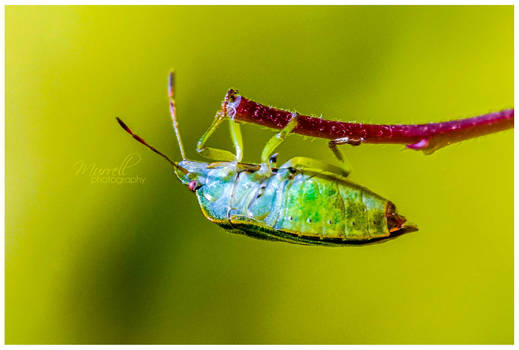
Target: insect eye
pixel 192 185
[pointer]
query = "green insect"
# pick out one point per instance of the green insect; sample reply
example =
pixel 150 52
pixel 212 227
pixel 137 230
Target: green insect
pixel 305 201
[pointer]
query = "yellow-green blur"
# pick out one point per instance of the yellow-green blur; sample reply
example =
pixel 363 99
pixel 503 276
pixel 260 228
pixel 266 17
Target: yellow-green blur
pixel 103 245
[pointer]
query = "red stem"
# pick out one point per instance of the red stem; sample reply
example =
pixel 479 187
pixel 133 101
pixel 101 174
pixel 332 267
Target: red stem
pixel 425 137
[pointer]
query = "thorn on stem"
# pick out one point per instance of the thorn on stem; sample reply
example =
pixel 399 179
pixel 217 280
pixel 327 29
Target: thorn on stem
pixel 420 145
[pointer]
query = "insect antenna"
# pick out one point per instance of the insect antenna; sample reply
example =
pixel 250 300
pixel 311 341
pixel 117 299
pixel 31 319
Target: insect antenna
pixel 141 140
pixel 172 111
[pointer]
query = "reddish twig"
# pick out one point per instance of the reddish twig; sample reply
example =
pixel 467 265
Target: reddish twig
pixel 424 137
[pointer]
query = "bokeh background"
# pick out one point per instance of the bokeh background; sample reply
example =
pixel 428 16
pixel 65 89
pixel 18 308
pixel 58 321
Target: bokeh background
pixel 91 262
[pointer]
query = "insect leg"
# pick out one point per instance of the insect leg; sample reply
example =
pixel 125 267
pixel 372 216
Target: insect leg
pixel 315 166
pixel 341 141
pixel 277 139
pixel 228 111
pixel 216 153
pixel 237 140
pixel 338 154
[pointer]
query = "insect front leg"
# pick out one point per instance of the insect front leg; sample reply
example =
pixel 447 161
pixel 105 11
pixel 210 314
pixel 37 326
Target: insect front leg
pixel 220 154
pixel 315 166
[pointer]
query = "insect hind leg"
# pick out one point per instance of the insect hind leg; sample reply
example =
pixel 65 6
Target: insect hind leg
pixel 316 166
pixel 344 164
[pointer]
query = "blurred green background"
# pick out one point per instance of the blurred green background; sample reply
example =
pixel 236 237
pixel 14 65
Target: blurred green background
pixel 93 262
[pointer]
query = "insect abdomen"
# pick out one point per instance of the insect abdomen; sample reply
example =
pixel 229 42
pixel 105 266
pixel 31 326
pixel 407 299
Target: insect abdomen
pixel 331 209
pixel 294 206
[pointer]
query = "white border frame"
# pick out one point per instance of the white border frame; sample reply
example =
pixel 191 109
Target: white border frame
pixel 242 2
